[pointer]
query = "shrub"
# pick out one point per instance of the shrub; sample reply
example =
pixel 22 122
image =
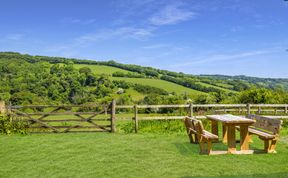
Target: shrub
pixel 10 125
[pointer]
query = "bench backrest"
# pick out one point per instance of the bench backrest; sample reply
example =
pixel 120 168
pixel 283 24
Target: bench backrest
pixel 266 123
pixel 194 125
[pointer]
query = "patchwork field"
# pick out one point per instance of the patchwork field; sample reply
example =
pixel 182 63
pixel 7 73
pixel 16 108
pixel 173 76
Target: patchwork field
pixel 168 86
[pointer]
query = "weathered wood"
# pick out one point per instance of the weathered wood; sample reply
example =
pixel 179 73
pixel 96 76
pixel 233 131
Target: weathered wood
pixel 214 127
pixel 195 129
pixel 164 106
pixel 72 126
pixel 136 118
pixel 248 108
pixel 266 123
pixel 90 121
pixel 2 107
pixel 286 109
pixel 259 110
pixel 231 138
pixel 63 113
pixel 244 137
pixel 113 116
pixel 230 119
pixel 72 131
pixel 36 121
pixel 224 133
pixel 74 120
pixel 190 110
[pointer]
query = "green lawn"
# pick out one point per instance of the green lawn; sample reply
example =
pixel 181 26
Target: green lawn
pixel 130 155
pixel 168 86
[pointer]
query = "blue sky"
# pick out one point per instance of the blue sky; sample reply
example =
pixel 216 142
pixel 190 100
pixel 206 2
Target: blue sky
pixel 231 37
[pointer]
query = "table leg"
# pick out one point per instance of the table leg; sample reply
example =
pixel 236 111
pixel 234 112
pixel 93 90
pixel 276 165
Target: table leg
pixel 214 127
pixel 224 132
pixel 231 138
pixel 244 137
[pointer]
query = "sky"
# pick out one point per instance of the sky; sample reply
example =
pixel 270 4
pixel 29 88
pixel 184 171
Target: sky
pixel 229 37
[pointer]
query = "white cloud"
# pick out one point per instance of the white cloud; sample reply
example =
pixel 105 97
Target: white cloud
pixel 123 32
pixel 224 57
pixel 156 46
pixel 171 14
pixel 77 21
pixel 14 37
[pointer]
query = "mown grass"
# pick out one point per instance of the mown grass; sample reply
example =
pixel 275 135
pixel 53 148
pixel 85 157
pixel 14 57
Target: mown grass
pixel 168 86
pixel 130 155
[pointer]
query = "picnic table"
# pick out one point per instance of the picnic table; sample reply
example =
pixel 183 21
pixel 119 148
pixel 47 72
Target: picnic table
pixel 229 123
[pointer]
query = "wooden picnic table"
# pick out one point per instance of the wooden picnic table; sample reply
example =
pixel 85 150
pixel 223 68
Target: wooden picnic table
pixel 229 123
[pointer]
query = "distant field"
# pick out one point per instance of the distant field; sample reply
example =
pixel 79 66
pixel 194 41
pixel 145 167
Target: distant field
pixel 213 86
pixel 101 69
pixel 168 86
pixel 224 85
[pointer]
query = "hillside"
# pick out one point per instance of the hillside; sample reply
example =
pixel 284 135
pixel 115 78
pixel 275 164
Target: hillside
pixel 27 79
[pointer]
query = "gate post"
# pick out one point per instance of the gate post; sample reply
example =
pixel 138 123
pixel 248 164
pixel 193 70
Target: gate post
pixel 2 107
pixel 113 118
pixel 136 118
pixel 190 110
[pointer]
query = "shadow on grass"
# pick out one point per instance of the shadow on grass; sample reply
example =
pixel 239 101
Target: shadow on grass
pixel 187 149
pixel 278 175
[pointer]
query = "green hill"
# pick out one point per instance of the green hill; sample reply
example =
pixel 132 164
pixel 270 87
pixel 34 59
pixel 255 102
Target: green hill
pixel 26 79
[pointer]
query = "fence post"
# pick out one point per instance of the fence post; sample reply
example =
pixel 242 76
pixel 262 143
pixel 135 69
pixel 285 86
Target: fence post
pixel 259 110
pixel 113 114
pixel 191 110
pixel 248 106
pixel 136 118
pixel 2 107
pixel 286 109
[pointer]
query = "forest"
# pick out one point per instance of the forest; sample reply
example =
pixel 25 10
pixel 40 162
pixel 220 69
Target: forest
pixel 26 80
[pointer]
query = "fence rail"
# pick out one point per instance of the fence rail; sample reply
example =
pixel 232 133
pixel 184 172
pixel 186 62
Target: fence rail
pixel 197 110
pixel 62 120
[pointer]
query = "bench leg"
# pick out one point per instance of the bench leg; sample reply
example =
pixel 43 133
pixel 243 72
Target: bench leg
pixel 272 146
pixel 266 145
pixel 202 146
pixel 209 147
pixel 269 146
pixel 191 137
pixel 205 146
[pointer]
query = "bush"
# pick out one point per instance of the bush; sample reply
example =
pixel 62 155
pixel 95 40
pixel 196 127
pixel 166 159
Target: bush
pixel 10 125
pixel 159 126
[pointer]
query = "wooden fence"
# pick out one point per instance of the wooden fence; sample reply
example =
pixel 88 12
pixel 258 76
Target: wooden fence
pixel 64 118
pixel 200 110
pixel 39 119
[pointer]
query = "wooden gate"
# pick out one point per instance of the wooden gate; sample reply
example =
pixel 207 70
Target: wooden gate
pixel 66 118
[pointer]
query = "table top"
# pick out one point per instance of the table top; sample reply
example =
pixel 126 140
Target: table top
pixel 228 118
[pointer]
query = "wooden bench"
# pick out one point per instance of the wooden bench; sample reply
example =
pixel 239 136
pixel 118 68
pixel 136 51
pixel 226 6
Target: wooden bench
pixel 267 129
pixel 197 134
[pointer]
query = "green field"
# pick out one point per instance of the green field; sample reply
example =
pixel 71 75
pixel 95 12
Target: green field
pixel 168 86
pixel 130 155
pixel 217 87
pixel 101 69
